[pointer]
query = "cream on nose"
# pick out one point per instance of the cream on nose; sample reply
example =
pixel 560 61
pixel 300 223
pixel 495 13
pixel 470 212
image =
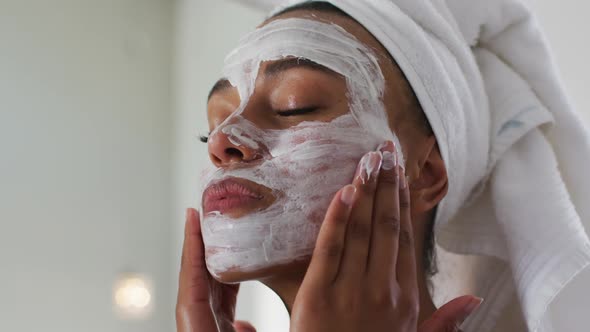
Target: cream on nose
pixel 232 144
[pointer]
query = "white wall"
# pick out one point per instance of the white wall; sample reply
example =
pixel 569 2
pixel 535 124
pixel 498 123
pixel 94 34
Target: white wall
pixel 566 26
pixel 84 161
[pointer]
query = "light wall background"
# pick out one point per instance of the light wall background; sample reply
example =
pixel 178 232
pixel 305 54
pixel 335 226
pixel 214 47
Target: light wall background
pixel 85 123
pixel 101 103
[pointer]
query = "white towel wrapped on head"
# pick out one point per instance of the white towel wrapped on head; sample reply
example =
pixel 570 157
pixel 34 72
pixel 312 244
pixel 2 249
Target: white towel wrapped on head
pixel 515 151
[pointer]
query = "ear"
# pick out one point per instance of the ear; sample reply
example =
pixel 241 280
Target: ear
pixel 431 184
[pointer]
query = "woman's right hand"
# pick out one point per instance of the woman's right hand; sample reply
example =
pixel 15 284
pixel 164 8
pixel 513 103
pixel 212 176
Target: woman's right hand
pixel 203 304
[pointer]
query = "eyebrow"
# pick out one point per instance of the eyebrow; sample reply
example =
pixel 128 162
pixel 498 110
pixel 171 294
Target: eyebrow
pixel 275 68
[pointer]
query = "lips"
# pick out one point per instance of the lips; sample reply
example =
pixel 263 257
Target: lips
pixel 232 195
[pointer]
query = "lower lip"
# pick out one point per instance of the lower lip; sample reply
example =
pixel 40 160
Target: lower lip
pixel 229 203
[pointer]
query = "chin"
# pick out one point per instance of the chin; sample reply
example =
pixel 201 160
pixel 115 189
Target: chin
pixel 237 274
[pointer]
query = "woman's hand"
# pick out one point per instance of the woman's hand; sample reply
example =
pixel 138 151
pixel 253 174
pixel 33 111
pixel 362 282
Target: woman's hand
pixel 203 304
pixel 362 275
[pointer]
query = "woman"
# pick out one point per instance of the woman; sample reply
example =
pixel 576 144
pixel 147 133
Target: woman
pixel 307 94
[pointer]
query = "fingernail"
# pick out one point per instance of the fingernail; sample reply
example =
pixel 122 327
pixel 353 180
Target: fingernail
pixel 187 213
pixel 360 168
pixel 370 165
pixel 347 195
pixel 471 306
pixel 389 155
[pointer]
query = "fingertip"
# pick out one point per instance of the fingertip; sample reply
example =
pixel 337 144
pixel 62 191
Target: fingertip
pixel 472 305
pixel 348 194
pixel 242 326
pixel 403 179
pixel 191 222
pixel 389 154
pixel 368 169
pixel 467 304
pixel 189 215
pixel 341 206
pixel 187 222
pixel 192 213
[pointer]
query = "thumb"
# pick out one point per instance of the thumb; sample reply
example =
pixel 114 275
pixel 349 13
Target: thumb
pixel 193 285
pixel 450 316
pixel 242 326
pixel 193 311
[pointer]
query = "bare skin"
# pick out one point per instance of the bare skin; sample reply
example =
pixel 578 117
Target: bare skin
pixel 329 292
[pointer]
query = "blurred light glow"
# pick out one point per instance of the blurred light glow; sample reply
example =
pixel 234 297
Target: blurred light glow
pixel 132 297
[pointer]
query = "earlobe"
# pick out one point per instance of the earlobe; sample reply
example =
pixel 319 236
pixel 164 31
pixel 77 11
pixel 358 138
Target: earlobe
pixel 431 184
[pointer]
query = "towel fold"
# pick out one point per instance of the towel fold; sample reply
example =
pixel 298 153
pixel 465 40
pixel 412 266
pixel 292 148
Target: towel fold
pixel 515 151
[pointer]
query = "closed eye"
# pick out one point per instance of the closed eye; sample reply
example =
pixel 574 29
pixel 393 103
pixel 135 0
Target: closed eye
pixel 292 112
pixel 297 111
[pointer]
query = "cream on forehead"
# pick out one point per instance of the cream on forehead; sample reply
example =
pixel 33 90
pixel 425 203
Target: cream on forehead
pixel 304 165
pixel 324 43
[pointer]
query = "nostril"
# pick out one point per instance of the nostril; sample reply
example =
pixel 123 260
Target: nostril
pixel 217 160
pixel 233 152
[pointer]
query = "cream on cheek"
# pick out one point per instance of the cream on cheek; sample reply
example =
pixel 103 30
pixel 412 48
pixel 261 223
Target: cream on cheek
pixel 304 165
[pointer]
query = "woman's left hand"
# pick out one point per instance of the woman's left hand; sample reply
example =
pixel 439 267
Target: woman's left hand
pixel 362 275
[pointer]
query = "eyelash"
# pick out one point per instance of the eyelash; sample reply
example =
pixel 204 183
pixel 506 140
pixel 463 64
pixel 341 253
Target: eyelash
pixel 292 112
pixel 204 138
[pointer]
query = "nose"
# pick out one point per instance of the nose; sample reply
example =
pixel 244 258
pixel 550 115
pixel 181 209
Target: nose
pixel 225 151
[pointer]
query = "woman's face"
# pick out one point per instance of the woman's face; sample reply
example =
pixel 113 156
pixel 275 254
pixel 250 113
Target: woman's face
pixel 288 126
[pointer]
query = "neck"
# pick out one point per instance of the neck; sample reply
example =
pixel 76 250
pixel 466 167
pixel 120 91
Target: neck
pixel 287 286
pixel 427 307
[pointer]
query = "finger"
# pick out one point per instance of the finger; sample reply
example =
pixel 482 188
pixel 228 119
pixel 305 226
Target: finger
pixel 358 232
pixel 406 260
pixel 327 254
pixel 450 316
pixel 192 308
pixel 225 300
pixel 386 224
pixel 242 326
pixel 194 278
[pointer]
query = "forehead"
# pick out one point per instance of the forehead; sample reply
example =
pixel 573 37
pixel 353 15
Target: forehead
pixel 347 23
pixel 325 43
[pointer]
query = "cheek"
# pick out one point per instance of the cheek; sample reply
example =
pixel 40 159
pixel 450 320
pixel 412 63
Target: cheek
pixel 320 147
pixel 318 161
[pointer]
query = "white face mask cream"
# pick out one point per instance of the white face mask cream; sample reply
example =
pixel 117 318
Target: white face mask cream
pixel 304 165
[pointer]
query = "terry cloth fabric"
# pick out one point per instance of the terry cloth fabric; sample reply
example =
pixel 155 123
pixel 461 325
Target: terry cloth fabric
pixel 515 151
